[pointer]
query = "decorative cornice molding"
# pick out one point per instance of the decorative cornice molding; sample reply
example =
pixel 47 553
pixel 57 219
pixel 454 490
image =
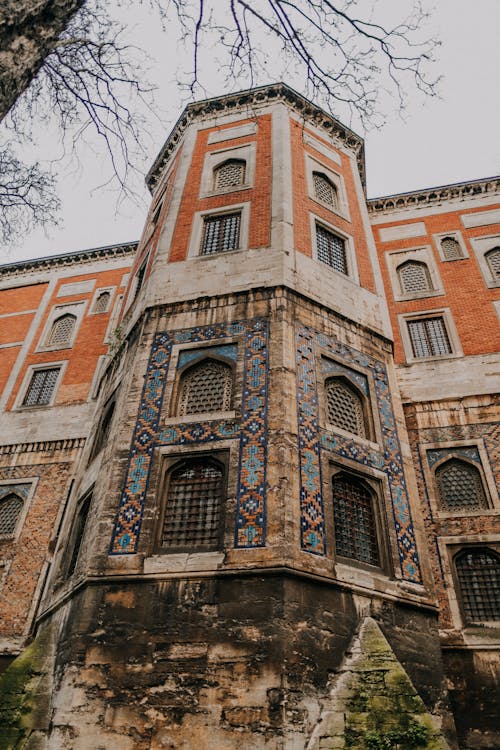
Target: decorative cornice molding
pixel 278 92
pixel 43 446
pixel 431 196
pixel 57 261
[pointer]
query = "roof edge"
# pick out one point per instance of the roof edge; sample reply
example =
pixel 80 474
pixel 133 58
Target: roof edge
pixel 64 259
pixel 434 195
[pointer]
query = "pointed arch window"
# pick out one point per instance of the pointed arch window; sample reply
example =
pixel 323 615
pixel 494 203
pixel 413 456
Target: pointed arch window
pixel 205 387
pixel 103 429
pixel 478 574
pixel 62 330
pixel 229 174
pixel 193 507
pixel 345 407
pixel 493 259
pixel 102 302
pixel 78 534
pixel 414 277
pixel 460 486
pixel 324 190
pixel 10 509
pixel 451 248
pixel 354 519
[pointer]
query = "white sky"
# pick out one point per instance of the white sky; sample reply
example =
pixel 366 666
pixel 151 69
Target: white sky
pixel 451 139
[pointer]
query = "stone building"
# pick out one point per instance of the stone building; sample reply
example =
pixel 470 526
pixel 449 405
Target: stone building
pixel 249 467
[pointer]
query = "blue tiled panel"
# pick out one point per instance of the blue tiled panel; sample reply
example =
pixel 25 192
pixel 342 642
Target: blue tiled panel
pixel 229 351
pixel 472 453
pixel 252 433
pixel 312 441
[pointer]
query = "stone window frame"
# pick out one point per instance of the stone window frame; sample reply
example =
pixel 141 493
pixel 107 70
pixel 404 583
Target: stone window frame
pixel 33 481
pixel 71 308
pixel 440 312
pixel 60 365
pixel 369 402
pixel 69 566
pixel 437 237
pixel 97 293
pixel 312 164
pixel 351 570
pixel 213 159
pixel 194 250
pixel 352 266
pixel 420 254
pixel 113 318
pixel 449 547
pixel 138 283
pixel 487 477
pixel 97 443
pixel 481 246
pixel 174 376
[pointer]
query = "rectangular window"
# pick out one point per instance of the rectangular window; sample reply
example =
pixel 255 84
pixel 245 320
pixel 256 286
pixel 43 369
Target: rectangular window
pixel 221 233
pixel 41 387
pixel 429 337
pixel 331 249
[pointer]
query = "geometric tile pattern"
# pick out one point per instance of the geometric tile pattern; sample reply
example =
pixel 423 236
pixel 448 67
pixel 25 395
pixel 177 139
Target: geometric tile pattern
pixel 329 367
pixel 472 453
pixel 252 433
pixel 312 441
pixel 23 490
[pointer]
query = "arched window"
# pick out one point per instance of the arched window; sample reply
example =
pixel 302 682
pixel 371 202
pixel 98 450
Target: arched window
pixel 451 248
pixel 193 507
pixel 205 387
pixel 103 429
pixel 460 486
pixel 345 407
pixel 62 330
pixel 229 174
pixel 102 302
pixel 414 277
pixel 10 508
pixel 78 533
pixel 324 189
pixel 493 260
pixel 355 531
pixel 478 574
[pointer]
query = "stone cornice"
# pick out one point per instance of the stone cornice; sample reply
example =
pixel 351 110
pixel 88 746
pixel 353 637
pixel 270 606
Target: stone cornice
pixel 50 446
pixel 68 259
pixel 278 92
pixel 431 196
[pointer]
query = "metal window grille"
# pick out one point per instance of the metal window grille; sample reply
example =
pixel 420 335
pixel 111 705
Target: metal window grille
pixel 102 302
pixel 478 573
pixel 331 249
pixel 103 430
pixel 10 508
pixel 345 408
pixel 78 533
pixel 41 387
pixel 414 277
pixel 193 507
pixel 325 190
pixel 62 330
pixel 459 486
pixel 220 233
pixel 206 387
pixel 139 279
pixel 429 337
pixel 451 248
pixel 230 174
pixel 355 533
pixel 493 259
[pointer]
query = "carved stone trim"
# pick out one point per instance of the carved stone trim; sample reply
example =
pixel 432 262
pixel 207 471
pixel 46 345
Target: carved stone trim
pixel 68 259
pixel 43 446
pixel 432 196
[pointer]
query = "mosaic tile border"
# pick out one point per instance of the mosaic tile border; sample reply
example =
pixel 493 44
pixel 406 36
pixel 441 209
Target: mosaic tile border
pixel 252 432
pixel 312 441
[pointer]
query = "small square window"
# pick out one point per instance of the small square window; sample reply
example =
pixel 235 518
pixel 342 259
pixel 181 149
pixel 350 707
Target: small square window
pixel 429 337
pixel 221 233
pixel 41 387
pixel 331 249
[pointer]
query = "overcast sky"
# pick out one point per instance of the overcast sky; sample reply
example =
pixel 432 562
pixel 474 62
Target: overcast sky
pixel 451 139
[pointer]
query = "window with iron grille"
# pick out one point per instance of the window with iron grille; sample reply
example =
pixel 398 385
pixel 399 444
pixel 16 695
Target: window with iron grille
pixel 206 387
pixel 221 233
pixel 193 508
pixel 493 260
pixel 345 407
pixel 429 337
pixel 62 330
pixel 41 387
pixel 460 486
pixel 103 429
pixel 451 248
pixel 478 574
pixel 102 302
pixel 414 277
pixel 139 279
pixel 10 508
pixel 230 174
pixel 331 249
pixel 325 190
pixel 78 534
pixel 353 512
